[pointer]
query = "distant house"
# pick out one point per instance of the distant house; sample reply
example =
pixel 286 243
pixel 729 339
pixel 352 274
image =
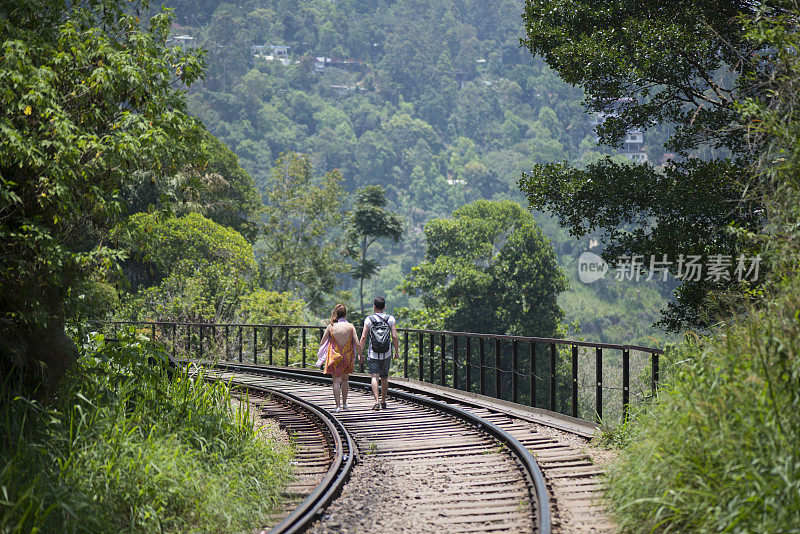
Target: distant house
pixel 321 62
pixel 259 50
pixel 633 144
pixel 268 52
pixel 279 51
pixel 185 41
pixel 342 90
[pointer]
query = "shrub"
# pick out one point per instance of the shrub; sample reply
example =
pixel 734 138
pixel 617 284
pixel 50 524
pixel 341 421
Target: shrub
pixel 130 446
pixel 719 450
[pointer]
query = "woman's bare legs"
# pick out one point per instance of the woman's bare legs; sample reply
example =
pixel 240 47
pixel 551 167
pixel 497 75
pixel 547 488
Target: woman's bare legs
pixel 337 386
pixel 345 388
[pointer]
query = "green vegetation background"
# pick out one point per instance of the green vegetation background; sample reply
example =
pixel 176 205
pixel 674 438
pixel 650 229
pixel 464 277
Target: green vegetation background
pixel 442 107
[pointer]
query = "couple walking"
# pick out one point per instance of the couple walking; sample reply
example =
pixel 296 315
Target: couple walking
pixel 343 344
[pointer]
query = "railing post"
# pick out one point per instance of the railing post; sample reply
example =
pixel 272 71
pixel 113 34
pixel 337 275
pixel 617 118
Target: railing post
pixel 482 362
pixel 304 346
pixel 255 345
pixel 405 354
pixel 201 340
pixel 654 359
pixel 599 375
pixel 497 368
pixel 432 373
pixel 442 364
pixel 533 374
pixel 552 377
pixel 455 362
pixel 153 330
pixel 626 382
pixel 574 381
pixel 227 344
pixel 269 343
pixel 241 343
pixel 174 339
pixel 188 339
pixel 514 394
pixel 286 348
pixel 421 359
pixel 468 365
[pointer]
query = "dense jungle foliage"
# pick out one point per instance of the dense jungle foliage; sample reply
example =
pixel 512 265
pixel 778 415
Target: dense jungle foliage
pixel 717 452
pixel 99 434
pixel 379 146
pixel 434 101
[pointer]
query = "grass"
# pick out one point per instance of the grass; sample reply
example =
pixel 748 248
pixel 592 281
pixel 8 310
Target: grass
pixel 127 447
pixel 719 451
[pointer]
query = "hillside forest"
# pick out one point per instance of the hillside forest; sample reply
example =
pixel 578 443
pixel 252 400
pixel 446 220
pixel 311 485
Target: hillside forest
pixel 436 102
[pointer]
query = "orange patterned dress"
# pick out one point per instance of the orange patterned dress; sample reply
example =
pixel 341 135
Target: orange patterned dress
pixel 340 357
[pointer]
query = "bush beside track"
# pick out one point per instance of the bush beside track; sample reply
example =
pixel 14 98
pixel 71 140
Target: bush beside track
pixel 130 445
pixel 718 452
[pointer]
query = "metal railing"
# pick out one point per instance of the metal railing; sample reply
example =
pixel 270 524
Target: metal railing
pixel 575 378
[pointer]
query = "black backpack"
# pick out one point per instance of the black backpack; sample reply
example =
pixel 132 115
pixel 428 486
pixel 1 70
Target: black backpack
pixel 379 334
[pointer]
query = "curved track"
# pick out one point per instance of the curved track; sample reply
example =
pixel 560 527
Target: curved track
pixel 453 469
pixel 326 454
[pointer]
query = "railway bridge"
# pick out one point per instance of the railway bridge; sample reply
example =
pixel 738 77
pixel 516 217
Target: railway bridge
pixel 482 433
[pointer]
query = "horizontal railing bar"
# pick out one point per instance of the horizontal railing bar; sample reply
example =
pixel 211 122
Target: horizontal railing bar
pixel 557 341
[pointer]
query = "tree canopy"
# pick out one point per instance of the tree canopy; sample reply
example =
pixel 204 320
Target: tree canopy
pixel 88 97
pixel 368 222
pixel 489 268
pixel 297 251
pixel 198 270
pixel 680 64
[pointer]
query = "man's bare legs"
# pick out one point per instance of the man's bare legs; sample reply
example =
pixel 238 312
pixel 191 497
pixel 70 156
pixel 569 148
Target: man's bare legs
pixel 380 386
pixel 375 378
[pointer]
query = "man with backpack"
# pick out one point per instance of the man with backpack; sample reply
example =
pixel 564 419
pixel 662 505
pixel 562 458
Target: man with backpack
pixel 382 336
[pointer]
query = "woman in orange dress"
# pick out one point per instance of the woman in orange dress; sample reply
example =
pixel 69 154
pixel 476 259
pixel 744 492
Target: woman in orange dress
pixel 342 347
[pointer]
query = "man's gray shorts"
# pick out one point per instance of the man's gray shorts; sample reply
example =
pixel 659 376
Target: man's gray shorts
pixel 379 367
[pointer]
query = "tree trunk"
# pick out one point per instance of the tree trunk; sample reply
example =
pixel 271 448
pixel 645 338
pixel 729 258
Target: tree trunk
pixel 361 296
pixel 361 284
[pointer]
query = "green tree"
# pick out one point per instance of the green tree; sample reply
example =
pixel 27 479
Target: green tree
pixel 490 269
pixel 368 222
pixel 692 435
pixel 213 184
pixel 88 97
pixel 404 132
pixel 187 268
pixel 681 63
pixel 296 252
pixel 269 307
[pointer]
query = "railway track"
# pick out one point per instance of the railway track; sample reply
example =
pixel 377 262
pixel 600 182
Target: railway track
pixel 324 458
pixel 449 469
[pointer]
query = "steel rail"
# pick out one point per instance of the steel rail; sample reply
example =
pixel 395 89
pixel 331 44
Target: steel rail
pixel 551 421
pixel 337 475
pixel 541 505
